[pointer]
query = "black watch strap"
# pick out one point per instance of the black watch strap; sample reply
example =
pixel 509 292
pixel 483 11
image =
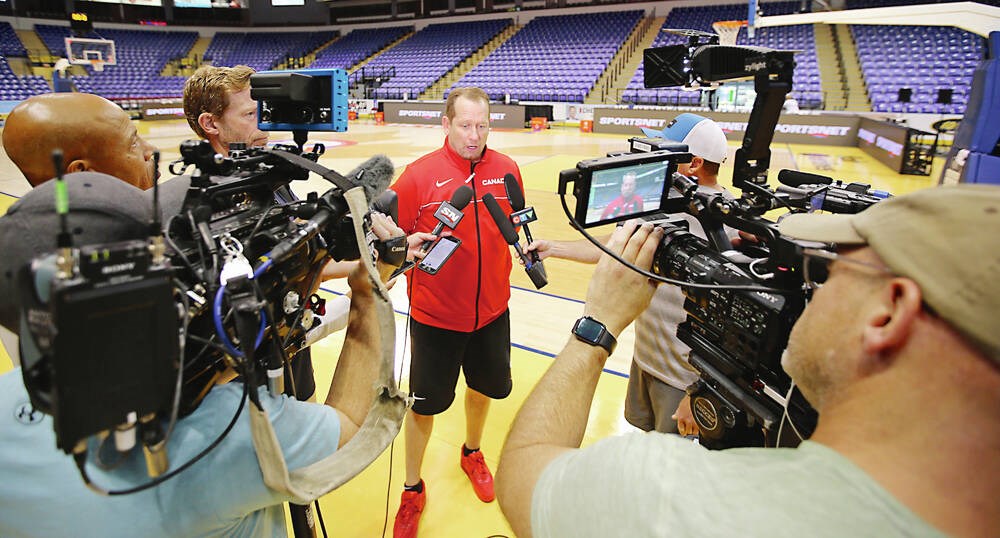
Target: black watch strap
pixel 593 332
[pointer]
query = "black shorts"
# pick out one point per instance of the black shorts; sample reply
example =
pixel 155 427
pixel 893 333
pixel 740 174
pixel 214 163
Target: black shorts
pixel 438 354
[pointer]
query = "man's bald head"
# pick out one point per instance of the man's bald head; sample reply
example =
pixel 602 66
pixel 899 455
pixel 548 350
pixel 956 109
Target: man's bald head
pixel 93 133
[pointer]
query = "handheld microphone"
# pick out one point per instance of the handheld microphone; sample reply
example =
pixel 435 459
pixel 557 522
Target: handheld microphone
pixel 521 215
pixel 794 178
pixel 450 213
pixel 535 270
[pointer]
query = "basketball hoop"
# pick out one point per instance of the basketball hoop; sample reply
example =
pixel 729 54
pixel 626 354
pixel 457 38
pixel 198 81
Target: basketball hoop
pixel 728 31
pixel 96 53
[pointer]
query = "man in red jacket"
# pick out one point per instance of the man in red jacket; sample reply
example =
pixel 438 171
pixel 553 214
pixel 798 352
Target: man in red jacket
pixel 459 317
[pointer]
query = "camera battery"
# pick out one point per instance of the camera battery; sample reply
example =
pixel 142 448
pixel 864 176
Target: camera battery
pixel 638 144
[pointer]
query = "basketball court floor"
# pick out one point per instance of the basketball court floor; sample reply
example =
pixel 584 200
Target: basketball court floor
pixel 540 319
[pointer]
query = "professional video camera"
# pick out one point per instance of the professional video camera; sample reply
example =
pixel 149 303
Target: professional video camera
pixel 740 304
pixel 124 338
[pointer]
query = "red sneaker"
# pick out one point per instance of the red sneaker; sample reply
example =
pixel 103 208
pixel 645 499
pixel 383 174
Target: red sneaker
pixel 482 480
pixel 411 505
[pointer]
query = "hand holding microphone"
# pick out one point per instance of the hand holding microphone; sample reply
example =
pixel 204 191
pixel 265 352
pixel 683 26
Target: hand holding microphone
pixel 449 213
pixel 536 271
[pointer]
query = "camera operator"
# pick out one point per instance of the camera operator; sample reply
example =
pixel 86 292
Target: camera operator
pixel 219 109
pixel 42 493
pixel 899 351
pixel 93 133
pixel 660 370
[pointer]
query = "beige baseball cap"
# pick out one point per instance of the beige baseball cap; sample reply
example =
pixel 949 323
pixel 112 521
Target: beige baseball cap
pixel 946 239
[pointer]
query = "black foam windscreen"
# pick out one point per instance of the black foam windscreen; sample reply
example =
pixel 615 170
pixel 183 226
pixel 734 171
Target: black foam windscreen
pixel 944 95
pixel 503 224
pixel 514 193
pixel 795 178
pixel 387 203
pixel 904 95
pixel 461 197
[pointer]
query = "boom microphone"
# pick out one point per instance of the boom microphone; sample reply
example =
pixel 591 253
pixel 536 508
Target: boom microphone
pixel 794 178
pixel 450 213
pixel 373 175
pixel 536 271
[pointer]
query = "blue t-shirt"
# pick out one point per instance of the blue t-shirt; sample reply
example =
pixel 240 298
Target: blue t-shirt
pixel 42 493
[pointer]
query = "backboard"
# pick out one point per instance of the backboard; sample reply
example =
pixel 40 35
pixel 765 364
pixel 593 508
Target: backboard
pixel 94 52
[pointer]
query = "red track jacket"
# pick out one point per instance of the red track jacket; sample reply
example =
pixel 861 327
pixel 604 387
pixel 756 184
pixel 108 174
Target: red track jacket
pixel 473 287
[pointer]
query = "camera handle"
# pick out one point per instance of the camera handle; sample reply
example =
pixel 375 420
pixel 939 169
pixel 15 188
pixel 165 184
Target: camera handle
pixel 754 156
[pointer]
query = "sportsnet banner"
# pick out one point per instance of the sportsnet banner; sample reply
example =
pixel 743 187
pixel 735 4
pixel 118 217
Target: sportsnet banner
pixel 819 129
pixel 501 116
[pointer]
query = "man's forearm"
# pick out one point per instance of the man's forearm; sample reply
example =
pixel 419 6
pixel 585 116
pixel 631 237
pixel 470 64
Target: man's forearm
pixel 556 411
pixel 352 387
pixel 554 416
pixel 579 251
pixel 552 421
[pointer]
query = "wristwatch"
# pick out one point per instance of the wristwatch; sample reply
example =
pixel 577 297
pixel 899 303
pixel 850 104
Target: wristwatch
pixel 593 332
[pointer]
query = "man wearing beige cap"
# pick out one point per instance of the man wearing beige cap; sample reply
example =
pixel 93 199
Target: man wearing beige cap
pixel 898 350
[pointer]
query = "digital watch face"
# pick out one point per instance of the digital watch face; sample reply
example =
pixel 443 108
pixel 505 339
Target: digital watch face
pixel 619 193
pixel 589 330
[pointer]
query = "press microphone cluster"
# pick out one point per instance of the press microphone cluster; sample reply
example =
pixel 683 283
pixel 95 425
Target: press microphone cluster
pixel 535 270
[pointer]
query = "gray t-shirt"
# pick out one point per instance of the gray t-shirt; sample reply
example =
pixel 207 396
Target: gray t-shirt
pixel 652 484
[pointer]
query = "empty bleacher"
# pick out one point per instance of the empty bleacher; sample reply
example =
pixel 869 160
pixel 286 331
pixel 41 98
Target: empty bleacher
pixel 429 54
pixel 263 51
pixel 141 56
pixel 554 58
pixel 349 50
pixel 923 59
pixel 10 44
pixel 13 87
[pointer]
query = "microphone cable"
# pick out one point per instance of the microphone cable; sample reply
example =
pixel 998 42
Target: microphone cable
pixel 399 376
pixel 81 458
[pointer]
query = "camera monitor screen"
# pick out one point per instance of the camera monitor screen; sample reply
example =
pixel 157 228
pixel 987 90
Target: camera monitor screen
pixel 618 193
pixel 619 187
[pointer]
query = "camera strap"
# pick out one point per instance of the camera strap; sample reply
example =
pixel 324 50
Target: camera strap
pixel 381 425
